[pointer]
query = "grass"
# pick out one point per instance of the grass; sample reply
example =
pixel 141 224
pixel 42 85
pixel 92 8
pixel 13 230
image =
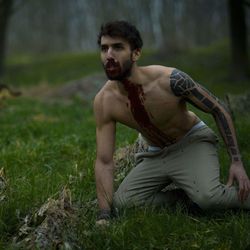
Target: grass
pixel 168 230
pixel 51 69
pixel 44 144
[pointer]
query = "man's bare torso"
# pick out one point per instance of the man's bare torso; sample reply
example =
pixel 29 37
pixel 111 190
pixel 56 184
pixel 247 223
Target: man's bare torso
pixel 149 106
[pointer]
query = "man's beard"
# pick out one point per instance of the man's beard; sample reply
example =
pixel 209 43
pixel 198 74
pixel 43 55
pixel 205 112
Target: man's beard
pixel 114 71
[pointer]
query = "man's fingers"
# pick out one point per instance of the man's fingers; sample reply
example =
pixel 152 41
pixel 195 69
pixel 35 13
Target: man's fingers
pixel 240 193
pixel 247 189
pixel 102 222
pixel 230 181
pixel 244 189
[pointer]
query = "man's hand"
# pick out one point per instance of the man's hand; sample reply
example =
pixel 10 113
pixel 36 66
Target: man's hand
pixel 103 217
pixel 102 222
pixel 238 173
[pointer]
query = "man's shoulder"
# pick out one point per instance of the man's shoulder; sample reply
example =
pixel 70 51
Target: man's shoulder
pixel 103 103
pixel 164 71
pixel 160 74
pixel 106 95
pixel 106 91
pixel 159 70
pixel 169 76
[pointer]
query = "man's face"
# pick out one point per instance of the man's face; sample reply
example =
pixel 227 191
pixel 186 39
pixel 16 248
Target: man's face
pixel 117 57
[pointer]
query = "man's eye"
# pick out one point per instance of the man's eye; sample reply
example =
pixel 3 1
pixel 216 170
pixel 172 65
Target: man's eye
pixel 104 48
pixel 118 47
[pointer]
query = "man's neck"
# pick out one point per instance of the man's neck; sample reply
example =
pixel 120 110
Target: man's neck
pixel 135 76
pixel 135 79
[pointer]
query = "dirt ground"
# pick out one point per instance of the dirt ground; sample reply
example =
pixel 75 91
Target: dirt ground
pixel 84 89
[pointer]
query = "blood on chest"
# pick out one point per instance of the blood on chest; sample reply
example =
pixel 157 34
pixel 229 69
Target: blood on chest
pixel 149 114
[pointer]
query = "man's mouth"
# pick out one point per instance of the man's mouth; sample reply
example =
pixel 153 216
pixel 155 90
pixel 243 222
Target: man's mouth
pixel 112 65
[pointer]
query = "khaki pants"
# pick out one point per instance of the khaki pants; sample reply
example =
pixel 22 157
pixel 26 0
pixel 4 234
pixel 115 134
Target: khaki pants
pixel 192 164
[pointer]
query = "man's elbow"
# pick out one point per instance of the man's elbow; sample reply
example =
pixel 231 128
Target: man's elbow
pixel 104 163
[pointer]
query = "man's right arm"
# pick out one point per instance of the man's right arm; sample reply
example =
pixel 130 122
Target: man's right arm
pixel 104 165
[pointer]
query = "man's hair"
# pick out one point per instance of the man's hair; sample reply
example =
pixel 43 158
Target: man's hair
pixel 122 29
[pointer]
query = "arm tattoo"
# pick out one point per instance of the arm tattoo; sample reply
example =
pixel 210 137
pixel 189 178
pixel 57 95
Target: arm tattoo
pixel 183 86
pixel 233 149
pixel 181 83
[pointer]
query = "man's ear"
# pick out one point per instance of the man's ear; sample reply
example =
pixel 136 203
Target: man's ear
pixel 136 55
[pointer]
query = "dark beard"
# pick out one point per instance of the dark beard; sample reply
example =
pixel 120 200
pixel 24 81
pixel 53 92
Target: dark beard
pixel 119 73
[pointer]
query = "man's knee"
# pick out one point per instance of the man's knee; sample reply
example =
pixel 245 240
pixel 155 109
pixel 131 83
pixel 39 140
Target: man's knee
pixel 118 200
pixel 207 200
pixel 123 199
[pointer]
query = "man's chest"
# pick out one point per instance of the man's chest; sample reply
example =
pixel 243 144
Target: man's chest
pixel 147 109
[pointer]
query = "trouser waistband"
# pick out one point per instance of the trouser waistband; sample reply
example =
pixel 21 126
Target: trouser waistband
pixel 194 128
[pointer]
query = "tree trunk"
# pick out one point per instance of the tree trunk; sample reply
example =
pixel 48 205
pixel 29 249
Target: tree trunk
pixel 5 12
pixel 238 39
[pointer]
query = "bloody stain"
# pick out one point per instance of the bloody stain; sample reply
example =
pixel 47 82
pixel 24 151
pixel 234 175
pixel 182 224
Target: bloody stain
pixel 136 97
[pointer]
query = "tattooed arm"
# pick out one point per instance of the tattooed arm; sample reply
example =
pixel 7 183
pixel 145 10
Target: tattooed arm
pixel 183 86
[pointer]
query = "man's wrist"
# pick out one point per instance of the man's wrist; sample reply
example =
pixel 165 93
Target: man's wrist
pixel 236 158
pixel 107 214
pixel 104 214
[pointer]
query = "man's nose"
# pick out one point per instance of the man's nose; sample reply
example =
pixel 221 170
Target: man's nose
pixel 110 53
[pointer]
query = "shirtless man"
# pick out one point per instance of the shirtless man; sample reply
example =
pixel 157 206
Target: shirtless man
pixel 182 149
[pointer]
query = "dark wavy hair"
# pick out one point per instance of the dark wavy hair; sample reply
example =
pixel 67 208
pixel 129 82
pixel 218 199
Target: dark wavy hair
pixel 123 30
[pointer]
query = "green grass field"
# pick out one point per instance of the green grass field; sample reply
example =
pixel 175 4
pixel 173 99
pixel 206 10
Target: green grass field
pixel 45 146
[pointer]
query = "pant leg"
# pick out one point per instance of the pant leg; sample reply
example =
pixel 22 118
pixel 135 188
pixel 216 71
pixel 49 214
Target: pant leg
pixel 143 185
pixel 195 168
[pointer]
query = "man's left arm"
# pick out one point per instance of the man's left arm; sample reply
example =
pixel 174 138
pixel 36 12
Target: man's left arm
pixel 182 85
